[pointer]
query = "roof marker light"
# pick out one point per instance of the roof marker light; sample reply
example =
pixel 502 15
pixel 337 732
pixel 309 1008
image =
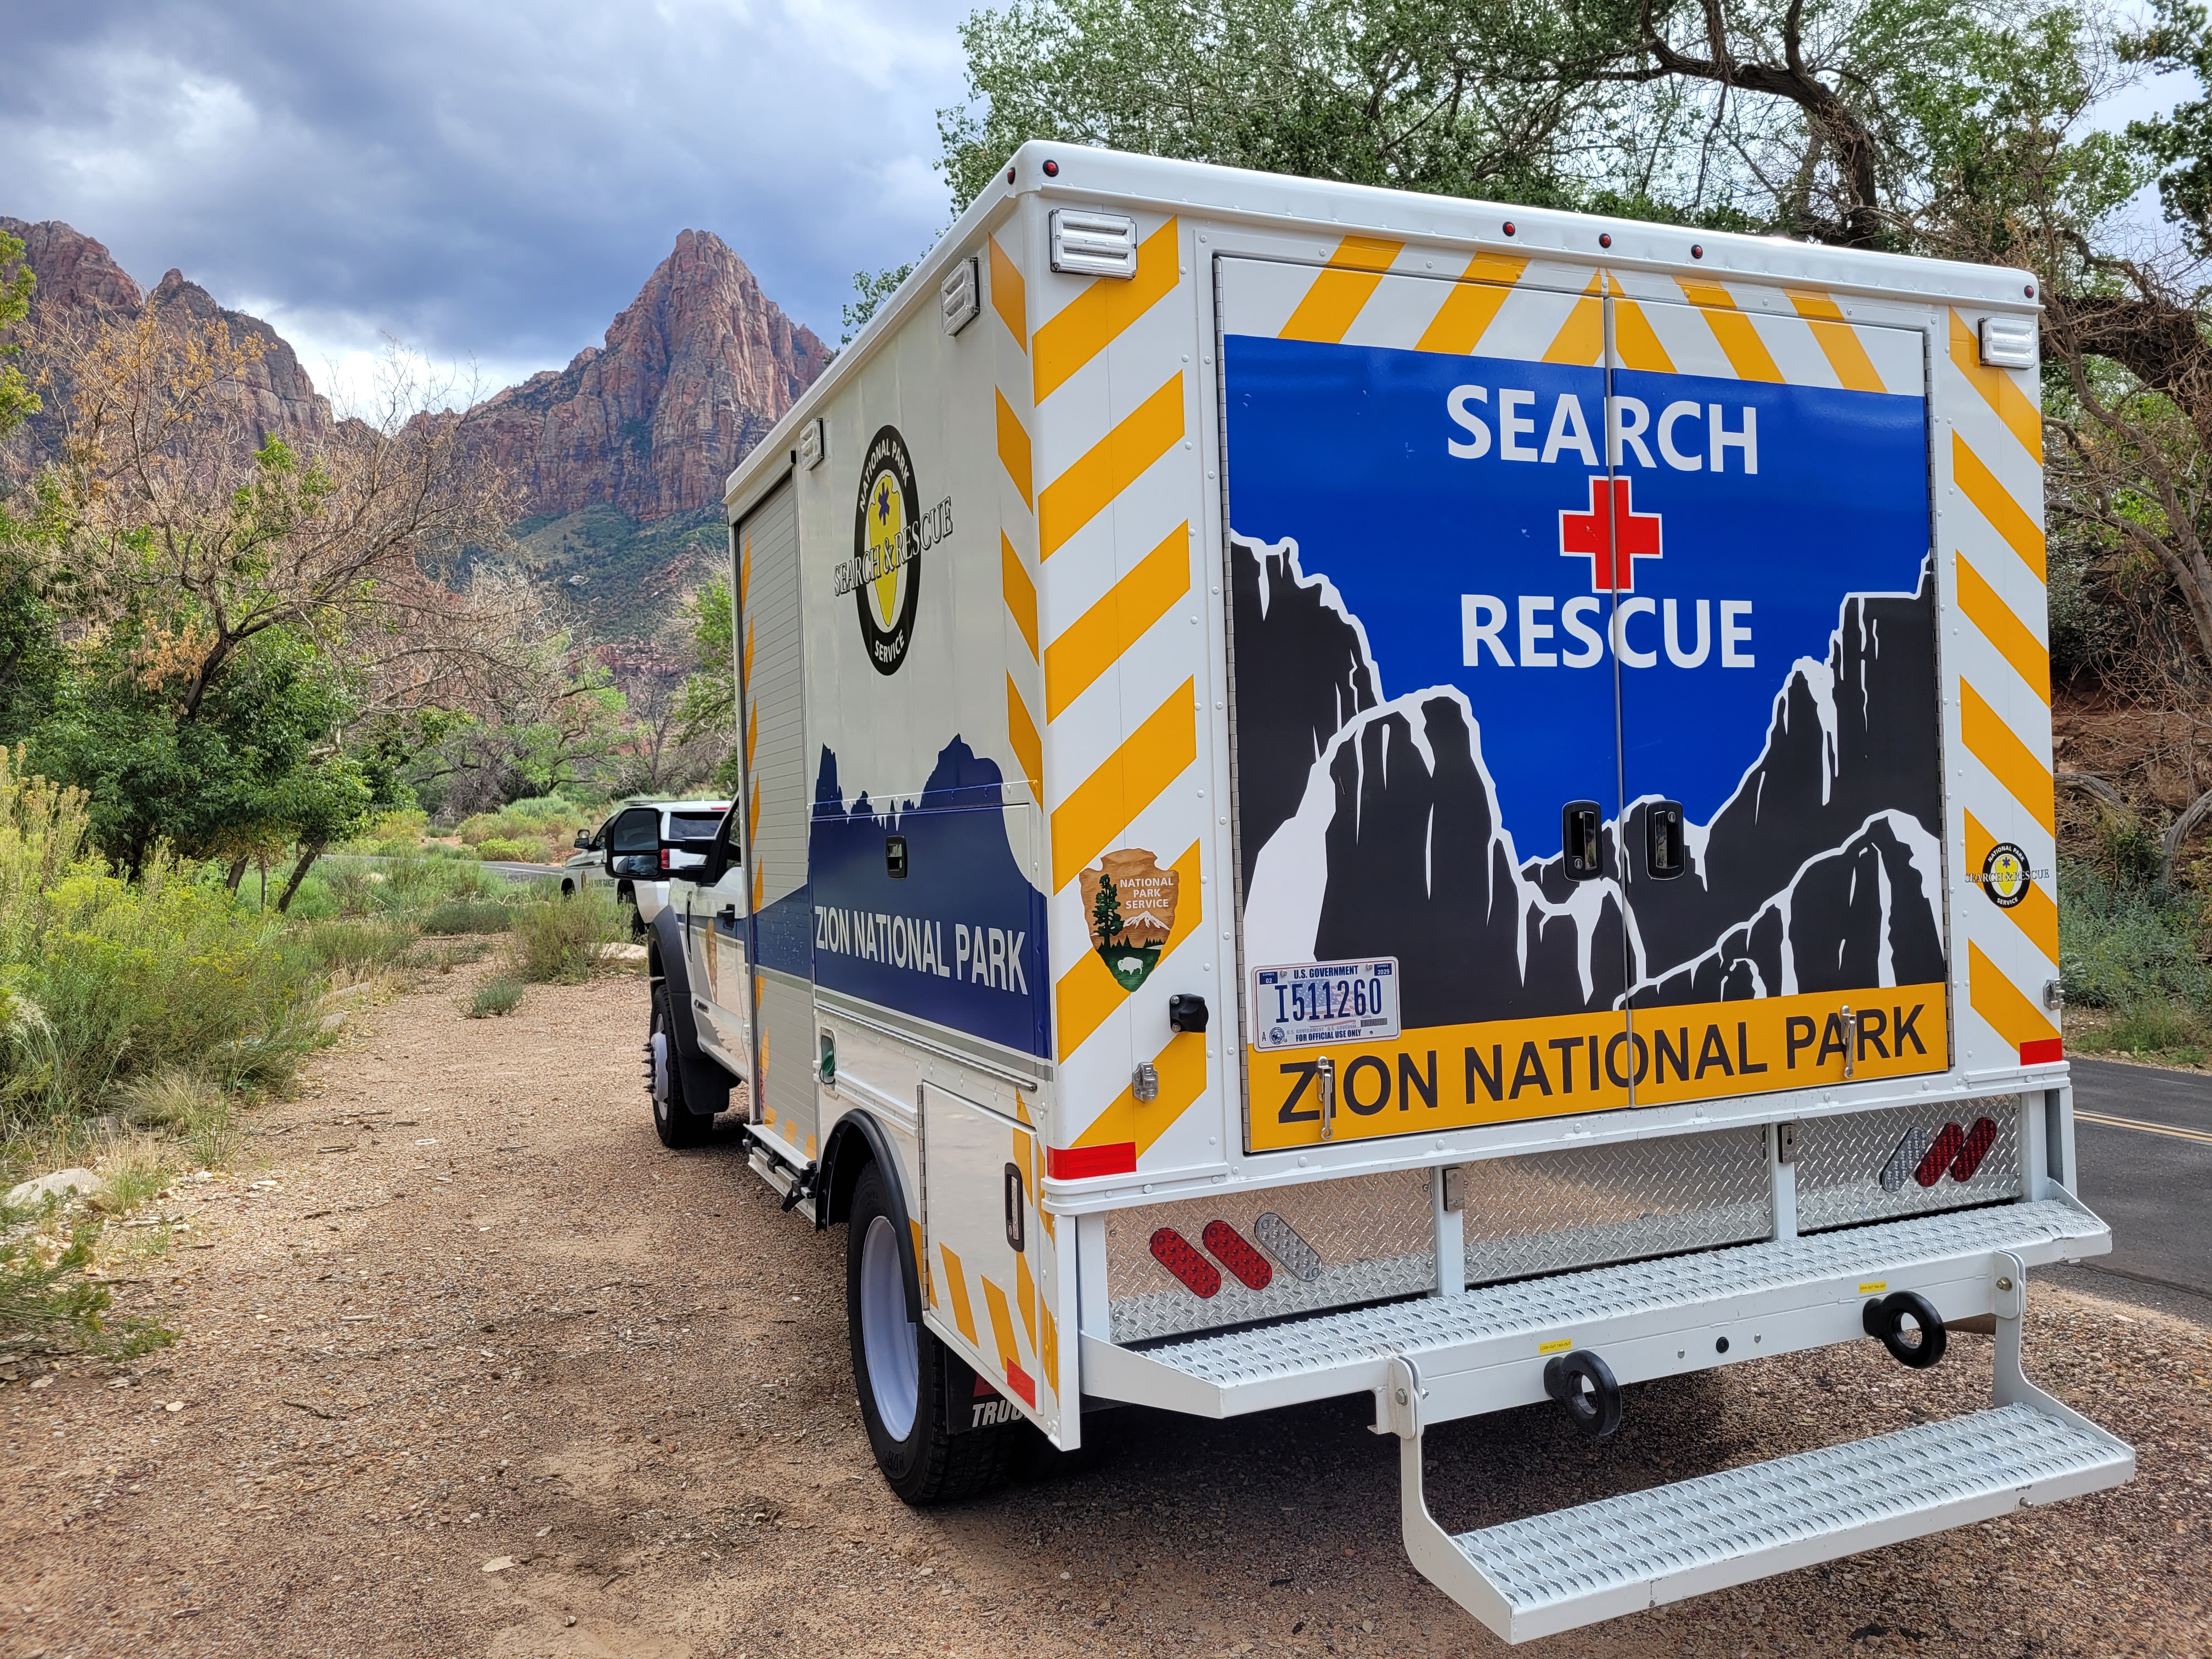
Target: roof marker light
pixel 1509 226
pixel 1605 238
pixel 1697 251
pixel 1010 175
pixel 1052 169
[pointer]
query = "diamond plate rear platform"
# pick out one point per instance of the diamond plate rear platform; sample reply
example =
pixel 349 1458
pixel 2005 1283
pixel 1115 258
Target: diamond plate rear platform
pixel 1574 1566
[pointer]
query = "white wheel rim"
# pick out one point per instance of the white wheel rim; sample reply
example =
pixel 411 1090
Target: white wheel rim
pixel 887 1335
pixel 660 1070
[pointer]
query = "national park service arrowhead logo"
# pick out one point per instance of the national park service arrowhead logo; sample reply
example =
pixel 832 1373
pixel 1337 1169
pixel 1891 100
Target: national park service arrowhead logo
pixel 1131 903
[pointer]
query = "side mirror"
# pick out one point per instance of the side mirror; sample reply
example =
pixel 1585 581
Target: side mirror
pixel 634 834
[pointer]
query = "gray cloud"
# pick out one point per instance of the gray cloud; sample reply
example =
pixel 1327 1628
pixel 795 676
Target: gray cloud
pixel 494 179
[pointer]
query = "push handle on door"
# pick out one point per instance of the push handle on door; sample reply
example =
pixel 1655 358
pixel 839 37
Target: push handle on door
pixel 1582 838
pixel 1017 1214
pixel 1663 857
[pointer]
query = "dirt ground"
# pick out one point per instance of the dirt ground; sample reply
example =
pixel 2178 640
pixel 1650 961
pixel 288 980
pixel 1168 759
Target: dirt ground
pixel 470 1365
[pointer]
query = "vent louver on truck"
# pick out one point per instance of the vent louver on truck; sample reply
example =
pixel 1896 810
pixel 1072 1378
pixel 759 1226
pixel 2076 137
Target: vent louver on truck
pixel 961 295
pixel 1086 244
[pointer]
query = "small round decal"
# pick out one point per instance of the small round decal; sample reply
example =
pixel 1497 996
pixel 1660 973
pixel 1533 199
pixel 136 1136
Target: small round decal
pixel 886 574
pixel 2004 875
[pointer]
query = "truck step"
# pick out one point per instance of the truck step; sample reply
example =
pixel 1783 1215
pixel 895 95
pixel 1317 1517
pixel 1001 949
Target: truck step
pixel 1553 1572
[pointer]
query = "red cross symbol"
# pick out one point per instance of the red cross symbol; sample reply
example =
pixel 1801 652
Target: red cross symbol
pixel 1610 526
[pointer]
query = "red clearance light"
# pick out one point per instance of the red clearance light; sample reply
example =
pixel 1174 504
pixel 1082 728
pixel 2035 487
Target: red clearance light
pixel 1697 251
pixel 1509 226
pixel 1979 1139
pixel 1180 1257
pixel 1229 1249
pixel 1605 238
pixel 1052 169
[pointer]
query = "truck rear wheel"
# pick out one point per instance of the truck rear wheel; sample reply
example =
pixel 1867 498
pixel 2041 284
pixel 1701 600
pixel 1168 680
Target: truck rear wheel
pixel 673 1120
pixel 913 1390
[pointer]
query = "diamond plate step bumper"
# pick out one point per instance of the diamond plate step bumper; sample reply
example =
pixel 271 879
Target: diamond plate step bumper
pixel 1485 1350
pixel 1554 1572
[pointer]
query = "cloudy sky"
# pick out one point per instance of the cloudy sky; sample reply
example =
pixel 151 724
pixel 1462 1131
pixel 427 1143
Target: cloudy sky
pixel 492 180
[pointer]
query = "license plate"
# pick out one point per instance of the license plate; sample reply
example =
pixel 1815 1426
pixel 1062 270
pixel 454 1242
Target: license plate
pixel 1319 1002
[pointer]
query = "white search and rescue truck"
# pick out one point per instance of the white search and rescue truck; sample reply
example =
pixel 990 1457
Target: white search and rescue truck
pixel 1353 792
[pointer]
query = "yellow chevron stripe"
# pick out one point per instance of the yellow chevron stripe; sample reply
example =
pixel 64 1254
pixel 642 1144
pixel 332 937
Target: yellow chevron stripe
pixel 1025 1298
pixel 1635 342
pixel 1838 341
pixel 752 734
pixel 1737 335
pixel 2010 761
pixel 1014 448
pixel 1472 305
pixel 1002 1325
pixel 922 1261
pixel 1113 464
pixel 1998 1000
pixel 1998 388
pixel 2001 627
pixel 956 1280
pixel 1010 295
pixel 1021 591
pixel 1096 318
pixel 1581 338
pixel 1993 502
pixel 1049 1353
pixel 2037 913
pixel 1088 992
pixel 1094 642
pixel 1181 1066
pixel 1350 278
pixel 1021 732
pixel 1130 780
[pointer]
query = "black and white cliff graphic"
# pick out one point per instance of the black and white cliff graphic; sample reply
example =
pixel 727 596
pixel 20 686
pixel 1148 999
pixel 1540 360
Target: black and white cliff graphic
pixel 1821 872
pixel 1313 674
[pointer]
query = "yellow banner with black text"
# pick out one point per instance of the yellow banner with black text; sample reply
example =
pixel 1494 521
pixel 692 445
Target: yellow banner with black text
pixel 1447 1077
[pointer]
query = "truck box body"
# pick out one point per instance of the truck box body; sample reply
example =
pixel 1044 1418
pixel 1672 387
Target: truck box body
pixel 1571 697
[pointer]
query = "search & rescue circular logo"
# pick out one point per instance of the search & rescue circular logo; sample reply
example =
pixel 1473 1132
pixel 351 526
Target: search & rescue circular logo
pixel 2005 875
pixel 891 529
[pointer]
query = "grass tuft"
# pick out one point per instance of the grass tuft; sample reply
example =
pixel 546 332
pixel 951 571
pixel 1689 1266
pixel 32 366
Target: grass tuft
pixel 465 915
pixel 497 996
pixel 562 939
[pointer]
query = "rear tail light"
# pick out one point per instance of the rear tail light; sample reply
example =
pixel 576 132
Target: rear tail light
pixel 1229 1249
pixel 1945 1146
pixel 1180 1257
pixel 1979 1139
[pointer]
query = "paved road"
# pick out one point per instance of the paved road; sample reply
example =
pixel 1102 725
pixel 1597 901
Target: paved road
pixel 2149 1174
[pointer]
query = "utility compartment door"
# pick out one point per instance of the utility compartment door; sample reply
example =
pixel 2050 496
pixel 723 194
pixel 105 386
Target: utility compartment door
pixel 992 1268
pixel 778 924
pixel 1421 689
pixel 1779 713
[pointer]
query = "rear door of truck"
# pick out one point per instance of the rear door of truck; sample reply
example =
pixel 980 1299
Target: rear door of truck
pixel 1510 544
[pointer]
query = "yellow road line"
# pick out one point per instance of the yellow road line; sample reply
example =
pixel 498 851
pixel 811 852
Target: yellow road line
pixel 2197 1135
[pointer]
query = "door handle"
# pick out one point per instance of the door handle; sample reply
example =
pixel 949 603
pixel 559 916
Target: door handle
pixel 1663 856
pixel 1582 828
pixel 728 913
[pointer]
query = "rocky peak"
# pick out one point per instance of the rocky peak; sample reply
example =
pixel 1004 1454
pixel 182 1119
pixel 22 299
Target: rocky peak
pixel 697 367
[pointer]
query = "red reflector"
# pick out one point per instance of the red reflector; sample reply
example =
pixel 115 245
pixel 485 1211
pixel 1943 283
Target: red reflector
pixel 1019 1381
pixel 1979 1139
pixel 984 1390
pixel 2043 1051
pixel 1940 1152
pixel 664 858
pixel 1180 1257
pixel 1229 1246
pixel 1075 1163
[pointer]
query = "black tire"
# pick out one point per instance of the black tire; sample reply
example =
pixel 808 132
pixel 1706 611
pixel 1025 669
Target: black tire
pixel 673 1120
pixel 930 1464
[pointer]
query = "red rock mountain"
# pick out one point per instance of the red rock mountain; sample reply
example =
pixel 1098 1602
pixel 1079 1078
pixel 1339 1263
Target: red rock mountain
pixel 79 281
pixel 692 374
pixel 698 368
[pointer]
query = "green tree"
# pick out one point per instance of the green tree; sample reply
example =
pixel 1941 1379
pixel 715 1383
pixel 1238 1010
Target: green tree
pixel 870 289
pixel 1106 921
pixel 17 401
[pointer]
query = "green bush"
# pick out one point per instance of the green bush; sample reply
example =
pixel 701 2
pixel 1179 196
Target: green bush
pixel 496 996
pixel 464 915
pixel 2125 943
pixel 564 939
pixel 513 852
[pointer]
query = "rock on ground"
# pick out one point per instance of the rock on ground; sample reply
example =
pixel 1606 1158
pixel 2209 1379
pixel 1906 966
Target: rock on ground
pixel 468 1309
